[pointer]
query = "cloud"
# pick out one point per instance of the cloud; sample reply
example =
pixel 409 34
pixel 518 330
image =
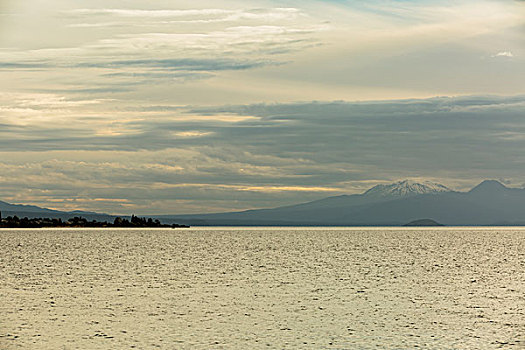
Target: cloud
pixel 25 66
pixel 260 154
pixel 206 65
pixel 245 40
pixel 190 16
pixel 192 133
pixel 150 13
pixel 177 108
pixel 314 50
pixel 504 54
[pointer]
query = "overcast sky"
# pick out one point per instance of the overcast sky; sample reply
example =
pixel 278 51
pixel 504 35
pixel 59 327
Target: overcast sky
pixel 172 107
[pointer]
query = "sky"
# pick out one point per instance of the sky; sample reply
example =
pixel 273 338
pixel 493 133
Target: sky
pixel 175 107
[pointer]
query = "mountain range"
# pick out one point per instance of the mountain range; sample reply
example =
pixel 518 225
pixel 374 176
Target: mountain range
pixel 487 204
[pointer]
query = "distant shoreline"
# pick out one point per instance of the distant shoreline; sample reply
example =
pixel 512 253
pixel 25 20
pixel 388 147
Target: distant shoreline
pixel 80 222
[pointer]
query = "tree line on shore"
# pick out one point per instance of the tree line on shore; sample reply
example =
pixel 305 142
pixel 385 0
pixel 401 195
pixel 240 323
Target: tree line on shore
pixel 77 221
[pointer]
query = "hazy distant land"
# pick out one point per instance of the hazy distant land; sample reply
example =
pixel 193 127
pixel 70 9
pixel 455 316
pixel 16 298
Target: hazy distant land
pixel 488 204
pixel 423 223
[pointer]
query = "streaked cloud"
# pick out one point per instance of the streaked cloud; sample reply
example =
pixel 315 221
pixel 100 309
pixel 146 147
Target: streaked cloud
pixel 504 54
pixel 202 16
pixel 150 13
pixel 192 133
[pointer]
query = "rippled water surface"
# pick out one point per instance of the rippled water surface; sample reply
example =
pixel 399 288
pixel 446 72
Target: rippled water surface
pixel 266 288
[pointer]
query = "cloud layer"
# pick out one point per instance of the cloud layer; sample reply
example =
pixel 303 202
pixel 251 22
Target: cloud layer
pixel 178 107
pixel 186 159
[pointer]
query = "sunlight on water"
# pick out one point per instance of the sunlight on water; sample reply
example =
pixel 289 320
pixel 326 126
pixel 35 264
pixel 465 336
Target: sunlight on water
pixel 246 288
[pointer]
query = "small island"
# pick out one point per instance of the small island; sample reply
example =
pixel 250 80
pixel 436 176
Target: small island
pixel 135 221
pixel 423 223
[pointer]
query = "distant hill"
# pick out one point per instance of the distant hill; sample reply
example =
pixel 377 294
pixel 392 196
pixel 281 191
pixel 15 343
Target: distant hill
pixel 423 223
pixel 7 207
pixel 489 203
pixel 31 211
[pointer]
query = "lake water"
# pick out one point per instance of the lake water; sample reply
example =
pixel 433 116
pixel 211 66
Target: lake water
pixel 263 288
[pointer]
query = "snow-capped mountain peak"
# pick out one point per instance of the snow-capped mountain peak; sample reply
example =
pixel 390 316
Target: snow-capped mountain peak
pixel 407 188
